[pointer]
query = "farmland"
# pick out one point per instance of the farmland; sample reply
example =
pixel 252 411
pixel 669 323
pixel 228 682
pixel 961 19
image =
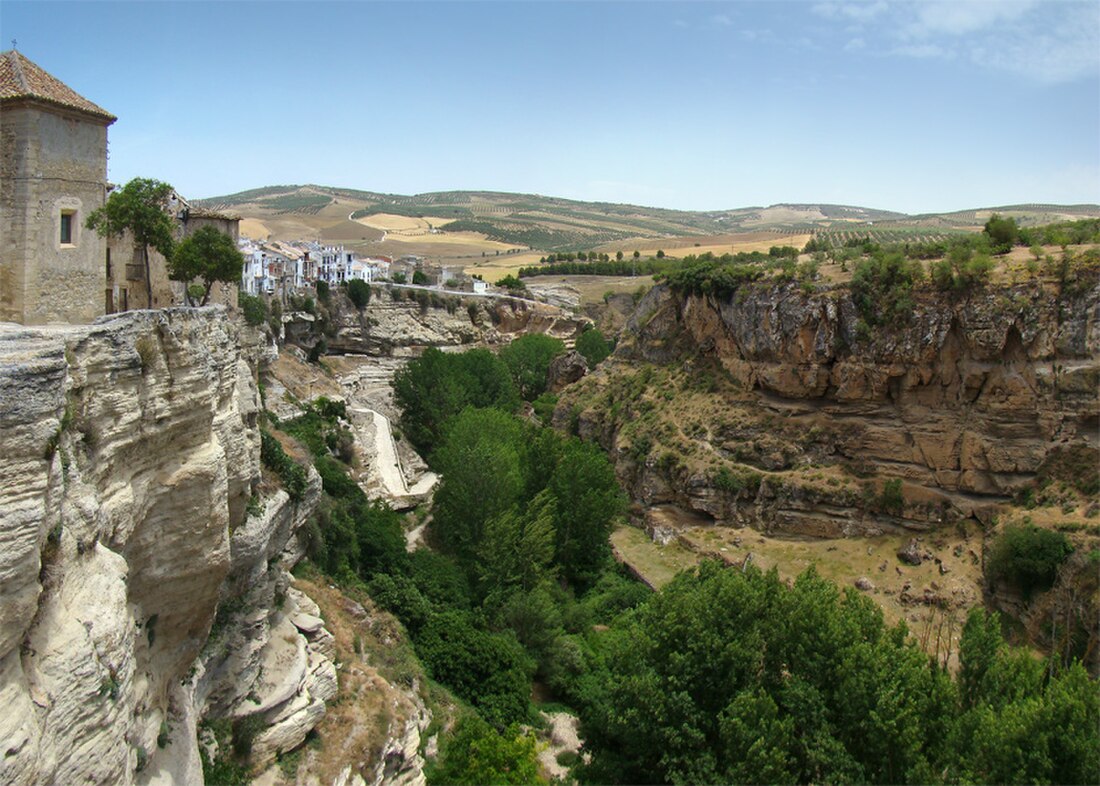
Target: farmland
pixel 495 233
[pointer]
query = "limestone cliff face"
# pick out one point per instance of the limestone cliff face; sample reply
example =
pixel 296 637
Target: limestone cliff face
pixel 962 403
pixel 130 453
pixel 394 322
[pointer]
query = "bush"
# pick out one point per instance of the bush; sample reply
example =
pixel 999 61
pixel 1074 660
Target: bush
pixel 419 278
pixel 253 308
pixel 323 293
pixel 490 670
pixel 593 346
pixel 1027 557
pixel 359 293
pixel 881 288
pixel 275 458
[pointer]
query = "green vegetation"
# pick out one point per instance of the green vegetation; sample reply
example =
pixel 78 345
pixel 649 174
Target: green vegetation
pixel 297 203
pixel 437 386
pixel 882 288
pixel 528 359
pixel 208 255
pixel 476 755
pixel 1002 233
pixel 140 208
pixel 253 308
pixel 289 471
pixel 710 275
pixel 1027 557
pixel 358 293
pixel 593 346
pixel 731 676
pixel 646 267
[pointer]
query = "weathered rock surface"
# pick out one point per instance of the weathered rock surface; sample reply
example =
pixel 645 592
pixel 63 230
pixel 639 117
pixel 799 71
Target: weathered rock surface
pixel 566 369
pixel 396 323
pixel 130 454
pixel 961 404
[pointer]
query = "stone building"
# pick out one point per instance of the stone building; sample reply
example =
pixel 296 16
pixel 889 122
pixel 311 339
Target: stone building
pixel 125 284
pixel 53 172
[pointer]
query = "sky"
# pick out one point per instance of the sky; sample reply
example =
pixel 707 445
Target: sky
pixel 909 106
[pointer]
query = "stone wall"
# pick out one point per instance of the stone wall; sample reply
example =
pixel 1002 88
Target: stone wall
pixel 53 162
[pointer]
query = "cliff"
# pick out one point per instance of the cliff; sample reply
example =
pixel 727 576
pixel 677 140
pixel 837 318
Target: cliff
pixel 400 321
pixel 777 408
pixel 143 557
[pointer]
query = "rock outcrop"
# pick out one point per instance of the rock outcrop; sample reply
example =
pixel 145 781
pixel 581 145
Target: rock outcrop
pixel 130 464
pixel 959 406
pixel 400 322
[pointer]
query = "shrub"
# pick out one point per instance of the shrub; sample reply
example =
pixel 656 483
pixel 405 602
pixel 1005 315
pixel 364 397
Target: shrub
pixel 359 293
pixel 253 308
pixel 892 499
pixel 323 293
pixel 275 458
pixel 882 286
pixel 593 346
pixel 419 278
pixel 1027 557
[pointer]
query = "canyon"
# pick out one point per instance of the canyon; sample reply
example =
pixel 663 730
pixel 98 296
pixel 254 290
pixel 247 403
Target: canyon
pixel 148 601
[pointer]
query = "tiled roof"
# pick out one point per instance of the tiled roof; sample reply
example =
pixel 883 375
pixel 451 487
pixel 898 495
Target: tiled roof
pixel 20 78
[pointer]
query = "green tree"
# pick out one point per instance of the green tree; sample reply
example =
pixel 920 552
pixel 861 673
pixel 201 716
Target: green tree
pixel 528 358
pixel 1002 232
pixel 208 255
pixel 476 755
pixel 489 670
pixel 482 477
pixel 517 548
pixel 618 256
pixel 140 207
pixel 420 278
pixel 358 293
pixel 1028 557
pixel 593 346
pixel 588 502
pixel 437 386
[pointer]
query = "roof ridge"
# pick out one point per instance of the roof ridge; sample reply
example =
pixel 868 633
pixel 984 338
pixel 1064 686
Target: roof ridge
pixel 22 78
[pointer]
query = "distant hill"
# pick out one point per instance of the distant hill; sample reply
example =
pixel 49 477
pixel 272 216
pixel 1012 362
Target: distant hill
pixel 549 223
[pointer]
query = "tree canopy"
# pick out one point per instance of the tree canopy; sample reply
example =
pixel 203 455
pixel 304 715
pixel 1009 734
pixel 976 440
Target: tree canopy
pixel 208 255
pixel 140 208
pixel 528 359
pixel 730 676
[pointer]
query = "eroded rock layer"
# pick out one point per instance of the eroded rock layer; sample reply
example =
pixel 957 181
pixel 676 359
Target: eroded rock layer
pixel 961 404
pixel 132 522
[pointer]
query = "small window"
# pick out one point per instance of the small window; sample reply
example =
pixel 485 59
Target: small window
pixel 67 227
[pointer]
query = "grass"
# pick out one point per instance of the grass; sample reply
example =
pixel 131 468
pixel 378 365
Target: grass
pixel 655 565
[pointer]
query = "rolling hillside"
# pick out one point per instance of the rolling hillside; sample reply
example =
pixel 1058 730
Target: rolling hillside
pixel 466 224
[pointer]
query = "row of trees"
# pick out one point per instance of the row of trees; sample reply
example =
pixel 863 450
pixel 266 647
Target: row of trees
pixel 731 676
pixel 141 208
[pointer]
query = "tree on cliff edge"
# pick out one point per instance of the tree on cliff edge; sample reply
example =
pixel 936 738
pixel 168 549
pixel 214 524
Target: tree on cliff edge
pixel 139 206
pixel 208 255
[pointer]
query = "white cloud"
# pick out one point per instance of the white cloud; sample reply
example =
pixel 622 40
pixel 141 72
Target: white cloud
pixel 923 51
pixel 852 11
pixel 722 20
pixel 959 17
pixel 1054 41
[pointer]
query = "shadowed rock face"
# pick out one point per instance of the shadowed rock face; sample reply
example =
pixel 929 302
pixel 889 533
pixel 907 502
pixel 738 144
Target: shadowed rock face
pixel 129 450
pixel 962 403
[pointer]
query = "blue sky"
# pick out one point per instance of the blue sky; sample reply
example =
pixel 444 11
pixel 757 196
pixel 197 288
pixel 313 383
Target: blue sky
pixel 911 106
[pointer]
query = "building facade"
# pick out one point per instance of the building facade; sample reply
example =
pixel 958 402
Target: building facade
pixel 53 172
